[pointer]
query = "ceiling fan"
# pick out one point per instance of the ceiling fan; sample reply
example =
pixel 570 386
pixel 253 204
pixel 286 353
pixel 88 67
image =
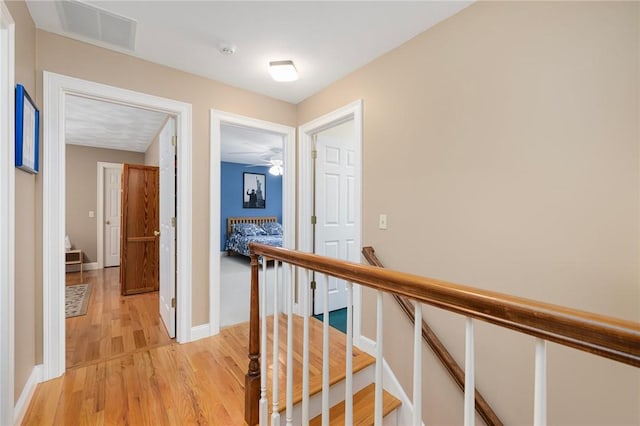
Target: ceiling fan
pixel 275 164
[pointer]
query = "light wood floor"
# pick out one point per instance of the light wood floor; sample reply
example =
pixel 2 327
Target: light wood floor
pixel 201 382
pixel 114 324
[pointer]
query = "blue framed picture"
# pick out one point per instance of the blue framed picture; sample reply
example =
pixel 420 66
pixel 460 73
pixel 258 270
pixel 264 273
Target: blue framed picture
pixel 27 131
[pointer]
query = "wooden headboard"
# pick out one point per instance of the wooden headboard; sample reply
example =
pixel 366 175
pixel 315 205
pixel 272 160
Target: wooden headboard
pixel 245 219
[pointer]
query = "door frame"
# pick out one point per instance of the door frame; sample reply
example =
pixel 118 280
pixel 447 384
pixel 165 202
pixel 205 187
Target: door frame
pixel 288 197
pixel 7 216
pixel 352 111
pixel 55 89
pixel 102 166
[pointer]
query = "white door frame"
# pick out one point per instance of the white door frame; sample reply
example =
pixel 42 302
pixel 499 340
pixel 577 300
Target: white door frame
pixel 55 89
pixel 100 208
pixel 288 197
pixel 352 111
pixel 7 215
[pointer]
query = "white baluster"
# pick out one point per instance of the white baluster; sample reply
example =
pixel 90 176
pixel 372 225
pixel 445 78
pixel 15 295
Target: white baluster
pixel 417 364
pixel 290 282
pixel 275 412
pixel 469 376
pixel 348 389
pixel 264 409
pixel 540 385
pixel 325 354
pixel 305 355
pixel 379 358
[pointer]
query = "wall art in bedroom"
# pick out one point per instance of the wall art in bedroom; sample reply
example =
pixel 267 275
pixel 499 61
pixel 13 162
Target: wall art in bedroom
pixel 254 191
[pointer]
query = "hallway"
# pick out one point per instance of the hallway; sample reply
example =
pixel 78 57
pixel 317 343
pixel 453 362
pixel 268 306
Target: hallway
pixel 114 324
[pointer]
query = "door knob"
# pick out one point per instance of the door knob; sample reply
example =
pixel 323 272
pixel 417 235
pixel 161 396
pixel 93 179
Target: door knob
pixel 156 233
pixel 107 223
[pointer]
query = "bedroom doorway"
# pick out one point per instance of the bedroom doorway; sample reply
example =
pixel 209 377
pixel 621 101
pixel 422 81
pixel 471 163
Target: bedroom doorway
pixel 243 151
pixel 57 89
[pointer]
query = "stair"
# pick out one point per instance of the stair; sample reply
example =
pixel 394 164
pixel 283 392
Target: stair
pixel 363 408
pixel 363 375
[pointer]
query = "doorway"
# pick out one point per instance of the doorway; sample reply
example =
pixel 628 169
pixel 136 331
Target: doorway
pixel 218 120
pixel 56 88
pixel 308 133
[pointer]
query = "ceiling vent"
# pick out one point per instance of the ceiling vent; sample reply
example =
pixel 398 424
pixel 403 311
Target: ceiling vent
pixel 96 24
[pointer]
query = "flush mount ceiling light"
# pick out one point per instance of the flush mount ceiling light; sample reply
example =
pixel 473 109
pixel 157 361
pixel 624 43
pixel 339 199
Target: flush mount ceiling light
pixel 283 71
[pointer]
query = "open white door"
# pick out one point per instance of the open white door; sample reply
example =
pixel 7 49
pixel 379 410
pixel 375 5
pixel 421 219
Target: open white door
pixel 167 164
pixel 336 213
pixel 112 200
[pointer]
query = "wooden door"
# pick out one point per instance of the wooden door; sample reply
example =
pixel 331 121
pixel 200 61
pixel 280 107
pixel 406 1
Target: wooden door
pixel 140 229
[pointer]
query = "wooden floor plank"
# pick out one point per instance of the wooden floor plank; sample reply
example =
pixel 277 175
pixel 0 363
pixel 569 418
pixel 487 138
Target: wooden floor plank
pixel 166 383
pixel 114 324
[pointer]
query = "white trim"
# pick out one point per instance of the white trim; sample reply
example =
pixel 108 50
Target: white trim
pixel 7 215
pixel 288 197
pixel 200 332
pixel 27 393
pixel 100 209
pixel 55 89
pixel 305 168
pixel 391 383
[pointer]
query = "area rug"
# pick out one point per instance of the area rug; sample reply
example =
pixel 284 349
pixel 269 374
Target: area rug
pixel 76 299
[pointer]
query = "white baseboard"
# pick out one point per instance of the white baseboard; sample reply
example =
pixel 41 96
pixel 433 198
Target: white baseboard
pixel 85 267
pixel 200 332
pixel 391 383
pixel 29 389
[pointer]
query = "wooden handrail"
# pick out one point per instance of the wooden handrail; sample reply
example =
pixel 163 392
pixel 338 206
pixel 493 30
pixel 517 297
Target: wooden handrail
pixel 608 337
pixel 483 408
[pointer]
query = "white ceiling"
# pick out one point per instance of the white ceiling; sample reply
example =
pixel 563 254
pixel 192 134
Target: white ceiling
pixel 99 124
pixel 327 40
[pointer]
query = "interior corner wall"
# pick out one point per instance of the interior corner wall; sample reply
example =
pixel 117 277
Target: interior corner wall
pixel 28 209
pixel 231 190
pixel 503 146
pixel 69 57
pixel 81 193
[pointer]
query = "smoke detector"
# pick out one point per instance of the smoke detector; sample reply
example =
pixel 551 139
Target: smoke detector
pixel 227 49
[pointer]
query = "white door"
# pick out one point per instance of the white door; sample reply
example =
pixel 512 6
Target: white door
pixel 112 185
pixel 336 214
pixel 167 164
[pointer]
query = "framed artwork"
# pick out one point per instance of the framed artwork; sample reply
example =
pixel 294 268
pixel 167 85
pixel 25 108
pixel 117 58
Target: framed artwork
pixel 254 191
pixel 27 131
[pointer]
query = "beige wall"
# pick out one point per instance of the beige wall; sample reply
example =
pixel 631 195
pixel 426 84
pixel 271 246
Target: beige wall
pixel 152 154
pixel 81 193
pixel 26 293
pixel 503 146
pixel 65 56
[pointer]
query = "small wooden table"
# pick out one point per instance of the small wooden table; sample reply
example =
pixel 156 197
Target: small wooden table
pixel 74 257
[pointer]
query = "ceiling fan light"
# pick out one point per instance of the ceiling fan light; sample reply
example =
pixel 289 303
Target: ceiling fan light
pixel 276 170
pixel 282 71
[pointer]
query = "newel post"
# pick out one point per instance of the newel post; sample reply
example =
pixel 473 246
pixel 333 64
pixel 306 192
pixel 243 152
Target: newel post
pixel 252 378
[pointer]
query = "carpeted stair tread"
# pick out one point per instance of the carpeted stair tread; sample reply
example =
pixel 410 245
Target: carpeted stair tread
pixel 363 408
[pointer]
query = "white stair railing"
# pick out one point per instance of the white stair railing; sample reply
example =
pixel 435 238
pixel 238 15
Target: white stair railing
pixel 607 337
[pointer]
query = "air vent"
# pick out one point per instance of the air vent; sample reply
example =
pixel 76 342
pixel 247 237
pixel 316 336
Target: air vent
pixel 94 23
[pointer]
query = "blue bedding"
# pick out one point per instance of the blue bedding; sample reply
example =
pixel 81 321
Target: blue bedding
pixel 240 243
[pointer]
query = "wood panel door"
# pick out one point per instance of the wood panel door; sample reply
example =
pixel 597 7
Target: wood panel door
pixel 139 249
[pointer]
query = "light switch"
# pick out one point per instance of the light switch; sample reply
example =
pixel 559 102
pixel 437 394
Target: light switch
pixel 92 213
pixel 382 221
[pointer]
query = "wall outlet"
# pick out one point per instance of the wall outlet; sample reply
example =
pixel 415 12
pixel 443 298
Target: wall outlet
pixel 92 213
pixel 382 221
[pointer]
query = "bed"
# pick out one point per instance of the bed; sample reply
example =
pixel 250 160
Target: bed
pixel 244 230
